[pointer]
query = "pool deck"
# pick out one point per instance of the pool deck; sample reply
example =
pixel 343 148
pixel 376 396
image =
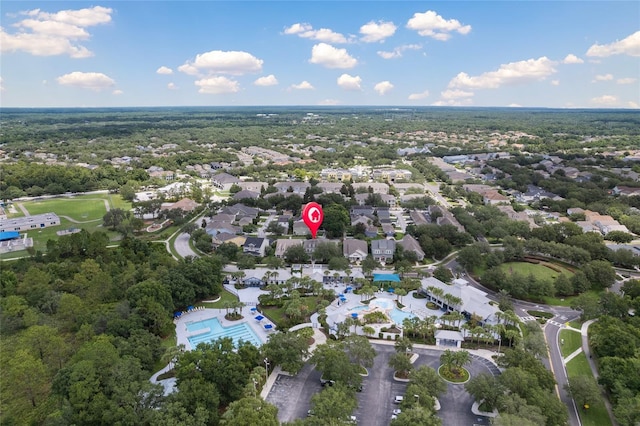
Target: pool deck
pixel 182 334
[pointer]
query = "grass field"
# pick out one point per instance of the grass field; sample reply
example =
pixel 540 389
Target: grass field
pixel 537 270
pixel 572 341
pixel 82 210
pixel 596 414
pixel 225 296
pixel 87 209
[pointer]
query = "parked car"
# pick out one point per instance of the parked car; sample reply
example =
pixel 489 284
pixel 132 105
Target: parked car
pixel 398 399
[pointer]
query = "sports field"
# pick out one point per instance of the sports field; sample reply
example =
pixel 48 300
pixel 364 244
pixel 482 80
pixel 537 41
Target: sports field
pixel 537 270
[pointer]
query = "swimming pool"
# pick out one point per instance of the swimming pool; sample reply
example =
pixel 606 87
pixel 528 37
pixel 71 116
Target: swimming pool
pixel 387 305
pixel 382 303
pixel 211 329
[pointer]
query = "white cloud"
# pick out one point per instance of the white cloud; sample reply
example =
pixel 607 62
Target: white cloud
pixel 117 92
pixel 331 57
pixel 86 80
pixel 628 46
pixel 172 86
pixel 217 85
pixel 430 24
pixel 633 105
pixel 269 80
pixel 397 52
pixel 602 77
pixel 454 98
pixel 455 94
pixel 511 73
pixel 222 62
pixel 514 106
pixel 329 102
pixel 81 17
pixel 323 34
pixel 164 70
pixel 572 59
pixel 1 85
pixel 418 96
pixel 348 82
pixel 605 100
pixel 305 85
pixel 383 87
pixel 377 31
pixel 51 34
pixel 555 82
pixel 628 80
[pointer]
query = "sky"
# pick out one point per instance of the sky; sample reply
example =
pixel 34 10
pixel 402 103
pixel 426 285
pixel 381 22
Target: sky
pixel 557 54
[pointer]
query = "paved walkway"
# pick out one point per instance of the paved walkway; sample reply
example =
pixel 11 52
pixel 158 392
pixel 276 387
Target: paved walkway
pixel 572 356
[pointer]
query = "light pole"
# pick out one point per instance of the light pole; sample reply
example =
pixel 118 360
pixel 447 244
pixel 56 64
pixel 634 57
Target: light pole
pixel 266 374
pixel 254 386
pixel 417 397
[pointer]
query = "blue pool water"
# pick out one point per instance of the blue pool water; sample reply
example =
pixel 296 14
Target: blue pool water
pixel 238 333
pixel 396 314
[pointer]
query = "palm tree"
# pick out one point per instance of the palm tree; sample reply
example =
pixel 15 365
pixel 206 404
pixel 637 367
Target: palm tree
pixel 172 354
pixel 477 331
pixel 400 292
pixel 368 330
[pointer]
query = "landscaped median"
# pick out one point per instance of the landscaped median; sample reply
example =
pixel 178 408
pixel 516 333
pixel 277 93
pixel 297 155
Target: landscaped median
pixel 594 413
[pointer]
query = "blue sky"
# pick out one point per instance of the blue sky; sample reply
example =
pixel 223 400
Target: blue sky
pixel 560 54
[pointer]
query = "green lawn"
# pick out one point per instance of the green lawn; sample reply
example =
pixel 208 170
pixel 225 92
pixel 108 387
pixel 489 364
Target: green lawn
pixel 82 210
pixel 572 341
pixel 597 414
pixel 537 270
pixel 225 296
pixel 277 315
pixel 564 301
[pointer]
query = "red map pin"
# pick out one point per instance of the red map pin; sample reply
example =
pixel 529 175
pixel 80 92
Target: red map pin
pixel 312 215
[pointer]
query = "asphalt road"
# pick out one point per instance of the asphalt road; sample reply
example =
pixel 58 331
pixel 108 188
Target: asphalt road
pixel 182 245
pixel 292 395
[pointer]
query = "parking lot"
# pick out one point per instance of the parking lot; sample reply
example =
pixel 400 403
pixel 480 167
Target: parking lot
pixel 292 395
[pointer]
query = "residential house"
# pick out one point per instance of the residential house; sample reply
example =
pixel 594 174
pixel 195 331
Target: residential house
pixel 409 244
pixel 225 237
pixel 376 187
pixel 391 175
pixel 186 205
pixel 255 246
pixel 282 244
pixel 418 218
pixel 371 231
pixel 224 181
pixel 330 187
pixel 300 228
pixel 310 245
pixel 253 186
pixel 355 250
pixel 494 197
pixel 215 227
pixel 245 193
pixel 336 174
pixel 166 175
pixel 402 188
pixel 626 190
pixel 298 188
pixel 383 250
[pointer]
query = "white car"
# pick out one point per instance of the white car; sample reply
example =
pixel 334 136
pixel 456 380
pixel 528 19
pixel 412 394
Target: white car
pixel 398 399
pixel 397 411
